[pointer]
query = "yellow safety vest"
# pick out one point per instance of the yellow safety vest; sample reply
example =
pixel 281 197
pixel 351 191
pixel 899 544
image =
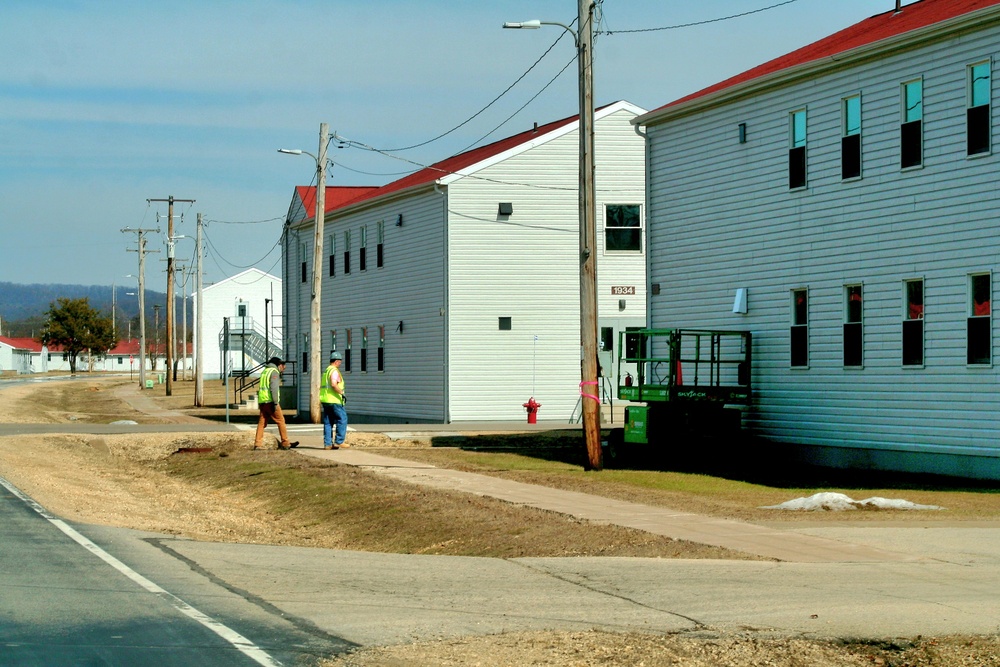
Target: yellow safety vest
pixel 326 390
pixel 264 395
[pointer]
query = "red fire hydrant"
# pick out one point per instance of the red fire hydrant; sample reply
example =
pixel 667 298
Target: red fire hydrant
pixel 532 407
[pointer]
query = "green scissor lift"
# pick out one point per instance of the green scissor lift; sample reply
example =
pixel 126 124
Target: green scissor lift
pixel 681 381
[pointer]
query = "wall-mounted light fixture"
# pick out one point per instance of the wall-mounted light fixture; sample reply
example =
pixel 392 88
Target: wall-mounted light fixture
pixel 506 208
pixel 621 304
pixel 399 220
pixel 740 301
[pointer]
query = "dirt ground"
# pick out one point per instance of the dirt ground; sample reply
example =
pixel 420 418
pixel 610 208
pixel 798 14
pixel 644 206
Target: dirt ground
pixel 139 482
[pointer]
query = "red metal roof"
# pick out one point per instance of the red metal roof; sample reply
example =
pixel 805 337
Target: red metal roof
pixel 427 175
pixel 336 196
pixel 913 16
pixel 22 343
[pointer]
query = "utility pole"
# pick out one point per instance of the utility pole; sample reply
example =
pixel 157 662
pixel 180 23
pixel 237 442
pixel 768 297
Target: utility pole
pixel 170 284
pixel 591 402
pixel 141 233
pixel 199 378
pixel 315 330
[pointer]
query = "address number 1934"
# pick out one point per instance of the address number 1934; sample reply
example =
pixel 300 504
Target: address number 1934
pixel 622 290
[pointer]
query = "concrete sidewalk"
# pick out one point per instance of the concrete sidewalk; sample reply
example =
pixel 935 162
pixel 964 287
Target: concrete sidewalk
pixel 781 545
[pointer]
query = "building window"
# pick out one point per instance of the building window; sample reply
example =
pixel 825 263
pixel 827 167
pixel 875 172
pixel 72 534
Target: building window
pixel 363 254
pixel 347 252
pixel 850 140
pixel 622 228
pixel 333 340
pixel 333 256
pixel 913 322
pixel 978 113
pixel 305 353
pixel 853 331
pixel 347 353
pixel 799 334
pixel 379 249
pixel 979 339
pixel 797 149
pixel 505 324
pixel 607 339
pixel 364 349
pixel 911 138
pixel 302 254
pixel 381 348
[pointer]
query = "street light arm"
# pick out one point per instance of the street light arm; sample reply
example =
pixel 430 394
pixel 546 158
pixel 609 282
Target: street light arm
pixel 535 24
pixel 297 151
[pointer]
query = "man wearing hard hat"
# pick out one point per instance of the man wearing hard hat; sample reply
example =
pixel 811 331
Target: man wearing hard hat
pixel 331 397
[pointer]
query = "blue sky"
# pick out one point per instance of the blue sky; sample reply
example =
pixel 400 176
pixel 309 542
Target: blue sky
pixel 105 105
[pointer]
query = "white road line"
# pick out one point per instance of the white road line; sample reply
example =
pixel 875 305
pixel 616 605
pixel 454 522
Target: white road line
pixel 238 641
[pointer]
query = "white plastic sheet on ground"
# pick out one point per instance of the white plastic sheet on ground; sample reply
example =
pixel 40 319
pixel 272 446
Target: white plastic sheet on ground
pixel 838 502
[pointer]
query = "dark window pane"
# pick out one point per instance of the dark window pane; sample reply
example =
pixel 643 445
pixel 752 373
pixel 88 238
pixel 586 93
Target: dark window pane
pixel 850 156
pixel 607 338
pixel 303 271
pixel 979 340
pixel 623 239
pixel 852 344
pixel 347 263
pixel 363 259
pixel 364 360
pixel 347 360
pixel 800 345
pixel 800 313
pixel 381 359
pixel 333 265
pixel 913 342
pixel 978 128
pixel 506 324
pixel 797 167
pixel 379 255
pixel 910 150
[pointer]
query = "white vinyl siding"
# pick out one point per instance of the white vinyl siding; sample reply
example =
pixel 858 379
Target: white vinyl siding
pixel 730 222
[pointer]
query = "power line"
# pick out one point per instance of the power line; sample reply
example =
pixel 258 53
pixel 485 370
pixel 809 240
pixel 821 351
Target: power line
pixel 218 254
pixel 475 115
pixel 245 222
pixel 696 23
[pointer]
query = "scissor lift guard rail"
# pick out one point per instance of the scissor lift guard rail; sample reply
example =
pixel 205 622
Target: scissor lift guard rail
pixel 687 379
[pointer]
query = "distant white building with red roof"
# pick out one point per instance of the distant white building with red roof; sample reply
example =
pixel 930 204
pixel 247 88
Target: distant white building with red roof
pixel 841 203
pixel 453 293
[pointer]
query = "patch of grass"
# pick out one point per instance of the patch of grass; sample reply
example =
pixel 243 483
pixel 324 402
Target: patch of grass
pixel 342 506
pixel 732 496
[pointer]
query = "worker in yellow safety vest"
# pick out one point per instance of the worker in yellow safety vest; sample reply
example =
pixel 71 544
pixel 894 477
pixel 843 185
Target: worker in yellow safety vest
pixel 332 397
pixel 268 404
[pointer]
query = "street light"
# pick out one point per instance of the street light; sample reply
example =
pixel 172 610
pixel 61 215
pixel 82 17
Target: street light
pixel 590 402
pixel 315 337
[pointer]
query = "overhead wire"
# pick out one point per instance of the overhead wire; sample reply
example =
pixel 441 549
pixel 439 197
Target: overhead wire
pixel 481 111
pixel 696 23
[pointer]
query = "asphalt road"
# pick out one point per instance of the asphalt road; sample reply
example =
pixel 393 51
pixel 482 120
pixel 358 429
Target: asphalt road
pixel 89 595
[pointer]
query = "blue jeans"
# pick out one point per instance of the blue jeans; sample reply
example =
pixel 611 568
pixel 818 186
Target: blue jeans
pixel 334 413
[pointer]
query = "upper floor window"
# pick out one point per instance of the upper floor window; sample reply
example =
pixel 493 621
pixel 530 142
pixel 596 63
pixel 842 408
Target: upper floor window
pixel 379 249
pixel 978 112
pixel 797 149
pixel 799 334
pixel 364 349
pixel 623 227
pixel 332 257
pixel 347 256
pixel 913 322
pixel 363 254
pixel 850 140
pixel 911 134
pixel 302 256
pixel 979 322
